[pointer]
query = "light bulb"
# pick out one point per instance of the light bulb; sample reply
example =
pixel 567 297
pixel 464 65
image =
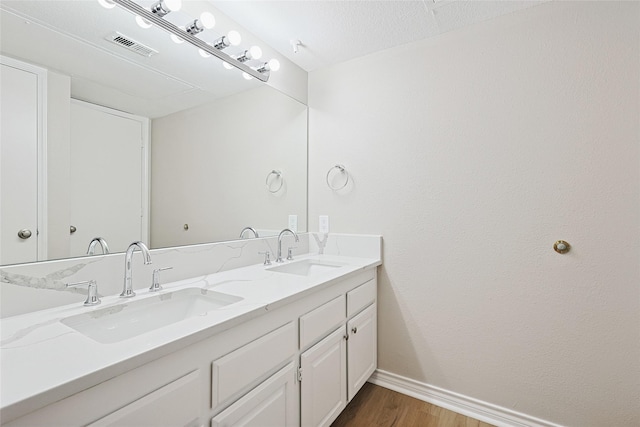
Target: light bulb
pixel 107 4
pixel 274 64
pixel 246 76
pixel 164 7
pixel 234 38
pixel 255 52
pixel 177 39
pixel 173 5
pixel 207 20
pixel 143 23
pixel 227 65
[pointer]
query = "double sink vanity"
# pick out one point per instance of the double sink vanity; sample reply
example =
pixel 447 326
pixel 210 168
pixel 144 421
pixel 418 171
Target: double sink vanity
pixel 282 345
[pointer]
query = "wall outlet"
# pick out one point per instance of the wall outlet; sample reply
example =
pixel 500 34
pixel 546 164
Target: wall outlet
pixel 293 223
pixel 323 224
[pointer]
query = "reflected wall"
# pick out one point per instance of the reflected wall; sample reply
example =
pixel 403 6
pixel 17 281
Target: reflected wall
pixel 209 168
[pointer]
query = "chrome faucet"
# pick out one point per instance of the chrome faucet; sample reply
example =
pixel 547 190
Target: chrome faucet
pixel 251 229
pixel 283 232
pixel 127 291
pixel 94 242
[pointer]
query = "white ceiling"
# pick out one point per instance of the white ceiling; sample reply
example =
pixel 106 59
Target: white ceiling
pixel 68 36
pixel 339 30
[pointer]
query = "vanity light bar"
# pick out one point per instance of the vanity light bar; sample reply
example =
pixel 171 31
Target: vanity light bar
pixel 200 44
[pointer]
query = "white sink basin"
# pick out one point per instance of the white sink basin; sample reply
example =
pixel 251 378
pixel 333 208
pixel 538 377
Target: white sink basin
pixel 307 267
pixel 129 319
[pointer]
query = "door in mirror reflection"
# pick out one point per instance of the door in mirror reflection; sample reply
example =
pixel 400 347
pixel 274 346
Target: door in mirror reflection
pixel 107 177
pixel 18 164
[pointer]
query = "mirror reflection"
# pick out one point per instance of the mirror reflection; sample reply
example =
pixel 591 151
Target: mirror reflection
pixel 99 141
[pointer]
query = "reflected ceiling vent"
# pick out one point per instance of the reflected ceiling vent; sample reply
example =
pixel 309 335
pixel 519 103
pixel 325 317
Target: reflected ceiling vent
pixel 130 44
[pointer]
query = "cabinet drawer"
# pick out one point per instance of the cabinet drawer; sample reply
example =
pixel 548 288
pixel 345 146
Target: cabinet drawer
pixel 250 364
pixel 361 297
pixel 323 319
pixel 177 403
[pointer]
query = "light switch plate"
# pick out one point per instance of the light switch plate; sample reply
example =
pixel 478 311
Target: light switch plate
pixel 323 224
pixel 293 223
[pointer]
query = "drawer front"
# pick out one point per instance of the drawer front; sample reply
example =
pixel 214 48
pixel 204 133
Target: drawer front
pixel 361 297
pixel 317 323
pixel 177 403
pixel 251 363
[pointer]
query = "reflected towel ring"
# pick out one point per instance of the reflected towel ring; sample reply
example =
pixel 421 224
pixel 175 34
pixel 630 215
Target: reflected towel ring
pixel 342 170
pixel 278 174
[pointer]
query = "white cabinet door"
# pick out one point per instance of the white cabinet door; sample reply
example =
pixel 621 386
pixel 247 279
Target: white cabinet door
pixel 272 404
pixel 19 132
pixel 323 392
pixel 362 349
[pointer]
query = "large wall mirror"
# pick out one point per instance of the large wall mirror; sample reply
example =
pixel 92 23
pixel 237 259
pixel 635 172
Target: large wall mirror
pixel 167 146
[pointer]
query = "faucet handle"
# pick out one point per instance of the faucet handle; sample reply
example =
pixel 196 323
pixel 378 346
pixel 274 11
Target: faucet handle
pixel 290 252
pixel 92 291
pixel 267 257
pixel 155 283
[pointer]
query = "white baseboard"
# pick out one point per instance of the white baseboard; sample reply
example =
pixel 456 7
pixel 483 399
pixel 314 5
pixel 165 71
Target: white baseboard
pixel 474 408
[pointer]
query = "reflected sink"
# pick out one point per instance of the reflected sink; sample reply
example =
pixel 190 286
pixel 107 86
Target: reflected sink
pixel 307 267
pixel 130 319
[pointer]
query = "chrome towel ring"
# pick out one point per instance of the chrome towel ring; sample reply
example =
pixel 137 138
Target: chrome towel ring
pixel 270 180
pixel 343 171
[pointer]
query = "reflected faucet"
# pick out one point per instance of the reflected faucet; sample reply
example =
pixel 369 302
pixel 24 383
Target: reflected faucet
pixel 127 291
pixel 283 232
pixel 253 230
pixel 94 242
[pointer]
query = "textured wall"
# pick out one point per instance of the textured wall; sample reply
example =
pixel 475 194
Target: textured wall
pixel 473 152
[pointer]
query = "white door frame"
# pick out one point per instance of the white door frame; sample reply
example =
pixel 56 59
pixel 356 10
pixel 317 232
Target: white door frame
pixel 41 73
pixel 145 123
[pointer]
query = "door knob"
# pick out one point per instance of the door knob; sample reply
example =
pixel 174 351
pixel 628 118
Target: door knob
pixel 72 229
pixel 24 233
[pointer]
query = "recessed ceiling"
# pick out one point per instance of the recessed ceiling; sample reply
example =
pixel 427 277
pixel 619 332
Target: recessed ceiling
pixel 337 31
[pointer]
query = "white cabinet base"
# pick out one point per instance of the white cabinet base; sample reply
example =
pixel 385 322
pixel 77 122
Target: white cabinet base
pixel 323 394
pixel 362 349
pixel 271 404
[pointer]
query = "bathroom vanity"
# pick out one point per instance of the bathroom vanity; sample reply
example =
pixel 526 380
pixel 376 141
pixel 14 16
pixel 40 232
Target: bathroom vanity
pixel 282 345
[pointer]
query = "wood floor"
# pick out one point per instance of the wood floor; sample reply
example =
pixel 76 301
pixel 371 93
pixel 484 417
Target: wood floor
pixel 378 406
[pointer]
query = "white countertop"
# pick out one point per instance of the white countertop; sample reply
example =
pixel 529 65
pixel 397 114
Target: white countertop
pixel 42 360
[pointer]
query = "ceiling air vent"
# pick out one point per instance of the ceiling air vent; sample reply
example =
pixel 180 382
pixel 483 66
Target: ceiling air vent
pixel 130 44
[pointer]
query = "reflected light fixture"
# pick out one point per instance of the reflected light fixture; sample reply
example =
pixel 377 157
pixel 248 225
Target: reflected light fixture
pixel 107 4
pixel 163 7
pixel 206 21
pixel 253 53
pixel 143 23
pixel 272 65
pixel 160 8
pixel 233 38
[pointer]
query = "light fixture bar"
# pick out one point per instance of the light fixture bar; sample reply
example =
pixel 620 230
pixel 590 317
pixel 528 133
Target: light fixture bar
pixel 200 44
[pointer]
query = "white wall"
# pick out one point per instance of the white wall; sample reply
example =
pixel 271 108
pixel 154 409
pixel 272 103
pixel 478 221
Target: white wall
pixel 472 153
pixel 58 151
pixel 209 167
